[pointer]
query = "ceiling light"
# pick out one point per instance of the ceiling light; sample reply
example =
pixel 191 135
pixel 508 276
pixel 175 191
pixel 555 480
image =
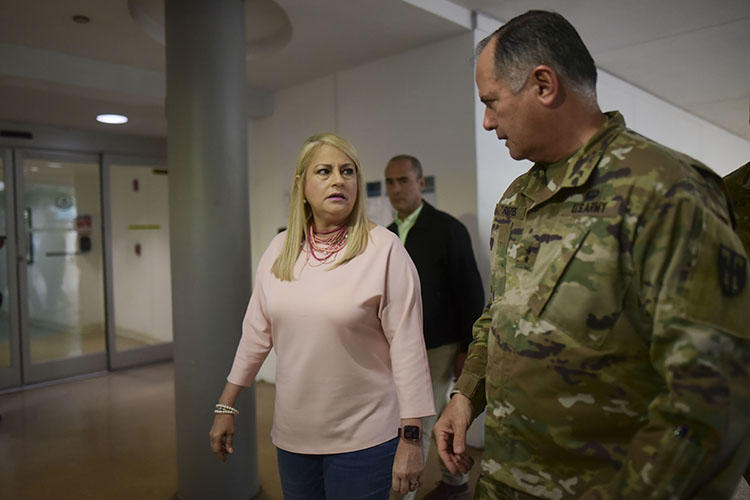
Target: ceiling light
pixel 112 119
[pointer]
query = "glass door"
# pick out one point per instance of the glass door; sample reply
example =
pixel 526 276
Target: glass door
pixel 85 281
pixel 60 265
pixel 137 238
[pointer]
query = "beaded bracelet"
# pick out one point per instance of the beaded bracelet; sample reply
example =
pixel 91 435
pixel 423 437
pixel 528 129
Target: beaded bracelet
pixel 226 409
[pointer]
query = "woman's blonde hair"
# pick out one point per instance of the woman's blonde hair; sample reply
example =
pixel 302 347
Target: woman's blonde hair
pixel 300 213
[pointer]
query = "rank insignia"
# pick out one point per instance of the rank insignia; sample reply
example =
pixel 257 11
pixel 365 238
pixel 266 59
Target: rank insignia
pixel 732 271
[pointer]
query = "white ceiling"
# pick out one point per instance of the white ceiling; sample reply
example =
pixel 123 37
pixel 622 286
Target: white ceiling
pixel 692 53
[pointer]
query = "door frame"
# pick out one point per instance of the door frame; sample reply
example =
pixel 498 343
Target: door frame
pixel 10 375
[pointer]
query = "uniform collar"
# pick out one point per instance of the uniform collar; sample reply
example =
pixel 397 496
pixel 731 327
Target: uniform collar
pixel 546 179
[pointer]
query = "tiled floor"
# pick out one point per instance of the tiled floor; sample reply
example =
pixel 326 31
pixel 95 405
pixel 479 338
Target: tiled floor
pixel 111 437
pixel 108 437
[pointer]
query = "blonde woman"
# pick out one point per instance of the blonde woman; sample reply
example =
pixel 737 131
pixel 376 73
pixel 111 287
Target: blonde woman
pixel 338 299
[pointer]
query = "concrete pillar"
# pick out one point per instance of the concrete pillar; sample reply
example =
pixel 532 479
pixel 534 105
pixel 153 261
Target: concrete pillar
pixel 208 204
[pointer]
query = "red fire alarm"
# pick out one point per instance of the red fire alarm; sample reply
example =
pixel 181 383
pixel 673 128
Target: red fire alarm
pixel 135 184
pixel 83 224
pixel 138 249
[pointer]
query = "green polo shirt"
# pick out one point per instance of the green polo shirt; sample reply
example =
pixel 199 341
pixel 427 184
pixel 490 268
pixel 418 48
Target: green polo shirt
pixel 405 225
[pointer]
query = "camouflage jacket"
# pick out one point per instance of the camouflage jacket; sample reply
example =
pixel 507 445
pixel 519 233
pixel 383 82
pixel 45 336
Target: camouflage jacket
pixel 738 185
pixel 613 353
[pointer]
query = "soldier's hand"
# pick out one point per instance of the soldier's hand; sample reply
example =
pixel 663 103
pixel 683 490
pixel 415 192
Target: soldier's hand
pixel 450 434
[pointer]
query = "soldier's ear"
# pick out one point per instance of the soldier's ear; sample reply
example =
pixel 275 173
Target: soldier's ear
pixel 545 84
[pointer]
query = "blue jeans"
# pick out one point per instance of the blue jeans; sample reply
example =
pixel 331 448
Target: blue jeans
pixel 363 474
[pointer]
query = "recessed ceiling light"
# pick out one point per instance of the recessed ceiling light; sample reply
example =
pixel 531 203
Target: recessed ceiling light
pixel 81 19
pixel 112 119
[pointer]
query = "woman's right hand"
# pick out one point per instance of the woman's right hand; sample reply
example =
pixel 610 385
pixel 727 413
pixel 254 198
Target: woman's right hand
pixel 221 434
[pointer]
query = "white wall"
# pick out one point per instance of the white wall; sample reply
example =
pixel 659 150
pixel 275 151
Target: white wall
pixel 417 102
pixel 672 126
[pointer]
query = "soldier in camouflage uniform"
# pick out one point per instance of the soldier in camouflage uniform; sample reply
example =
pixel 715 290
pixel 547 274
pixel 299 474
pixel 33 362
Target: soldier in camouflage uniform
pixel 613 354
pixel 738 185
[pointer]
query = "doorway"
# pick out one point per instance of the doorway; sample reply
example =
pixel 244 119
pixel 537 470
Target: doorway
pixel 68 296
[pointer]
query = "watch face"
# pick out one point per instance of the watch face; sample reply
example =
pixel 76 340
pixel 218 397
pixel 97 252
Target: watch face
pixel 411 432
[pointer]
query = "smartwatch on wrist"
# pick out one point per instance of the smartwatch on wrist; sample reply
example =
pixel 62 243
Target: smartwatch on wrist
pixel 410 433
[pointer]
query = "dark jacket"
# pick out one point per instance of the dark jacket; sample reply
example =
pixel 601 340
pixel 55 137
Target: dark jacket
pixel 452 292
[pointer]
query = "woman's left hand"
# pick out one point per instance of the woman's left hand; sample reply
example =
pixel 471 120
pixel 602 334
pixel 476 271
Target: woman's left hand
pixel 408 466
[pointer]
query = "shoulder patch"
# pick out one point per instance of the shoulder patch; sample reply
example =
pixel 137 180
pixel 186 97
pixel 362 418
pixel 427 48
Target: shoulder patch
pixel 732 268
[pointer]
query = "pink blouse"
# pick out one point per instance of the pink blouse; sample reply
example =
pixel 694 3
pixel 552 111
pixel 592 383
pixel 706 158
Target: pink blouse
pixel 350 353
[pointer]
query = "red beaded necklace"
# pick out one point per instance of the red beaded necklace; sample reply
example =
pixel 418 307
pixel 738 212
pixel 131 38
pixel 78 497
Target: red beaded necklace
pixel 328 246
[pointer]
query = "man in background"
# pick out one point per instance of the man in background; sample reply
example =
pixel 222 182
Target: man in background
pixel 452 293
pixel 614 353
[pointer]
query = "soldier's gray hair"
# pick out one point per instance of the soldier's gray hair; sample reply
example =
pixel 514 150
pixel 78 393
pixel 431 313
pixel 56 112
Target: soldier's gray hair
pixel 542 37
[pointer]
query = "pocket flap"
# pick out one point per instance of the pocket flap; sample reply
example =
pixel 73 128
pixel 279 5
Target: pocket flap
pixel 554 258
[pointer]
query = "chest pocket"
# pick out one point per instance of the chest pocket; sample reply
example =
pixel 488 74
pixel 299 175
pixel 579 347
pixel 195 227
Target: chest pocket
pixel 578 290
